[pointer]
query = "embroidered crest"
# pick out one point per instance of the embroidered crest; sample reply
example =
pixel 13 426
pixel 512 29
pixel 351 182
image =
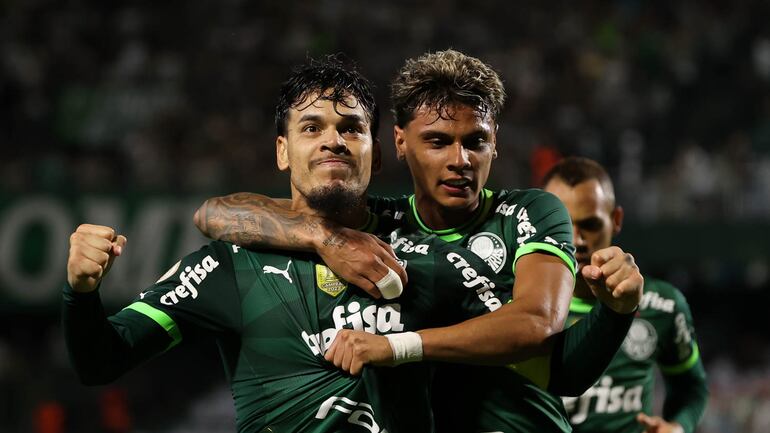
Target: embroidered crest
pixel 490 248
pixel 328 281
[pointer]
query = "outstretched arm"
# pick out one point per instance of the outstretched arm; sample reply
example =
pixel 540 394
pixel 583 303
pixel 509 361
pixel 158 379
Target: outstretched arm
pixel 514 332
pixel 583 351
pixel 517 332
pixel 256 221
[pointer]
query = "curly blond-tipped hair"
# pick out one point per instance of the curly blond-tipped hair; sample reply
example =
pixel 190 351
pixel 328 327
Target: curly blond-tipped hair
pixel 442 79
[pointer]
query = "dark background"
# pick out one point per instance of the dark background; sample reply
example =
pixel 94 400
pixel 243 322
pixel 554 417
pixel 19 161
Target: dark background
pixel 130 114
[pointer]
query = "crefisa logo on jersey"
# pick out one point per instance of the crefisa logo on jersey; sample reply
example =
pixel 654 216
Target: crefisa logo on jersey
pixel 328 281
pixel 190 278
pixel 490 248
pixel 641 340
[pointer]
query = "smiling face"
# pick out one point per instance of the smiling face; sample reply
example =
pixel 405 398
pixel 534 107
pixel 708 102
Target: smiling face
pixel 449 157
pixel 329 150
pixel 595 218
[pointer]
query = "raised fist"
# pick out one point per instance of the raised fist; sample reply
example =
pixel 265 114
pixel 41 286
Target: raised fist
pixel 92 250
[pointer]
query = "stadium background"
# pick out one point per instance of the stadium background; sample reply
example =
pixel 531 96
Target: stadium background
pixel 130 114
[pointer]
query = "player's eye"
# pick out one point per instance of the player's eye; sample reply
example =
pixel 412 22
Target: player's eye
pixel 353 129
pixel 475 143
pixel 438 142
pixel 591 224
pixel 311 128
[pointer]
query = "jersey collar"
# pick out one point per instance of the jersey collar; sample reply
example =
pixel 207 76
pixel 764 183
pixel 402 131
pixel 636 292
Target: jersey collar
pixel 452 234
pixel 370 226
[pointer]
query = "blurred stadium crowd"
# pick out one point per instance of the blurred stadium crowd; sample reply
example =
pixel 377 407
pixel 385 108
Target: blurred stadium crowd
pixel 177 98
pixel 673 97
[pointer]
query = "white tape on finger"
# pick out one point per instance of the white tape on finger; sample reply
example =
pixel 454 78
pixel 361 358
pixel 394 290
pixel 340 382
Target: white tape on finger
pixel 390 285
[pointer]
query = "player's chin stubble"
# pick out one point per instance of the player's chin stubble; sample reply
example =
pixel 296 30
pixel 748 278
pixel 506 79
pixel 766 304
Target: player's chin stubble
pixel 334 199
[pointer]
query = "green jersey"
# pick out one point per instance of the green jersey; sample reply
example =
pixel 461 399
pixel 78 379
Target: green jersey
pixel 274 316
pixel 662 333
pixel 506 226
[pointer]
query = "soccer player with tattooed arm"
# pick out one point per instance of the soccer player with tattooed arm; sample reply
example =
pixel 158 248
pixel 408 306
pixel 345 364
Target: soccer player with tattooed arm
pixel 274 314
pixel 446 106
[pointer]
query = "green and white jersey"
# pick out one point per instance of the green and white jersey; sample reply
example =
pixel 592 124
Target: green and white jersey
pixel 506 226
pixel 662 333
pixel 274 316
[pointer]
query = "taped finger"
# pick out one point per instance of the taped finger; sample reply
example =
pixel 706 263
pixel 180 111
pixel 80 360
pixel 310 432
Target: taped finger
pixel 390 285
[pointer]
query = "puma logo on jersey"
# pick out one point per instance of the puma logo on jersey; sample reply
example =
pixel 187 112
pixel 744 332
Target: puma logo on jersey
pixel 608 398
pixel 190 279
pixel 283 272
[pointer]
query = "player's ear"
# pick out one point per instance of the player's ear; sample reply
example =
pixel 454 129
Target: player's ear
pixel 617 220
pixel 400 139
pixel 282 153
pixel 376 156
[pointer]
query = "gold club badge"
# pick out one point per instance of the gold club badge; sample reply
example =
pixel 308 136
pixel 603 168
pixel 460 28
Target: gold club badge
pixel 328 281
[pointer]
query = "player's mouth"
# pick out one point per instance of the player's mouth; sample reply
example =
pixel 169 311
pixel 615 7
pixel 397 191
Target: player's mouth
pixel 457 185
pixel 333 162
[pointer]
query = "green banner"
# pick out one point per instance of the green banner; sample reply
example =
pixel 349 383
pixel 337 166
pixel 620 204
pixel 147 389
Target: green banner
pixel 34 243
pixel 35 230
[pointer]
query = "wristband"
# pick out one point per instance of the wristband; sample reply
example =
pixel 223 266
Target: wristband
pixel 407 347
pixel 390 285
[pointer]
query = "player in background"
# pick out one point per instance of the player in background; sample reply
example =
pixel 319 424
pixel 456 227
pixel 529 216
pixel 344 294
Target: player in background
pixel 662 333
pixel 446 106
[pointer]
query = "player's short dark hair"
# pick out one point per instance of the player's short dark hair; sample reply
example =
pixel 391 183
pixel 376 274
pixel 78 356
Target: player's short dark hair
pixel 575 170
pixel 443 79
pixel 331 78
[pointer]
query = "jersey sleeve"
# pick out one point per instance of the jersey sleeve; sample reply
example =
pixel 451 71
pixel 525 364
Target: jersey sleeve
pixel 583 351
pixel 682 368
pixel 542 225
pixel 680 351
pixel 197 296
pixel 103 348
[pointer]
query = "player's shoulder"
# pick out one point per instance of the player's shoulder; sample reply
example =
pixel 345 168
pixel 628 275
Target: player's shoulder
pixel 508 202
pixel 238 257
pixel 661 295
pixel 215 249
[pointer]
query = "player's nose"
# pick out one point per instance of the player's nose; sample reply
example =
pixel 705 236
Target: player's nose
pixel 334 142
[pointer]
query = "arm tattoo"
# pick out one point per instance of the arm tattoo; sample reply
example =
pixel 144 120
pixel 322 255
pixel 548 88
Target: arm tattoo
pixel 253 220
pixel 334 241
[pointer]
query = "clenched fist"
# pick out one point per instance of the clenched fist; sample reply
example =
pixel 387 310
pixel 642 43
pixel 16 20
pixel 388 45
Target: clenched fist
pixel 614 279
pixel 92 251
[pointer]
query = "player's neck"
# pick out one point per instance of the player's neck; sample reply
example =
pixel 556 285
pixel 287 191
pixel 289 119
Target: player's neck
pixel 353 216
pixel 438 217
pixel 582 290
